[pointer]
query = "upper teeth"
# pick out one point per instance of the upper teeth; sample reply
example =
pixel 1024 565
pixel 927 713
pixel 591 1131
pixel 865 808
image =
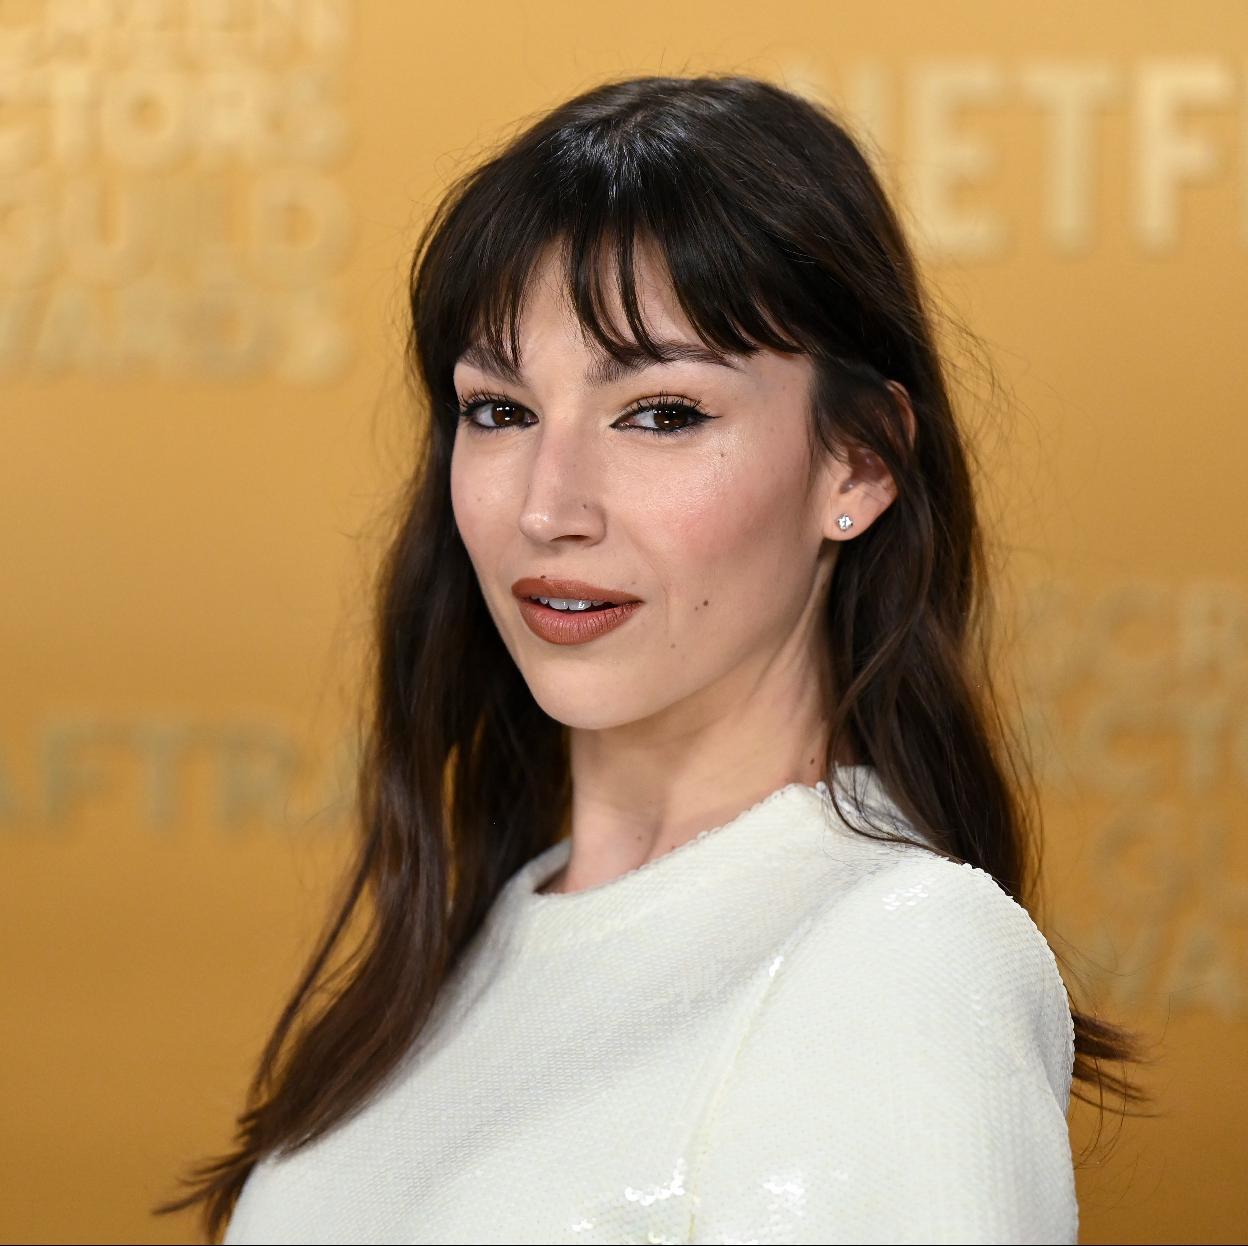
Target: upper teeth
pixel 568 603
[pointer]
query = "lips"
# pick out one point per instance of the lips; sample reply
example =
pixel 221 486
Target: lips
pixel 574 590
pixel 566 627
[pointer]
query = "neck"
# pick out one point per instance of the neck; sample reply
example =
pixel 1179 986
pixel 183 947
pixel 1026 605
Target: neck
pixel 644 788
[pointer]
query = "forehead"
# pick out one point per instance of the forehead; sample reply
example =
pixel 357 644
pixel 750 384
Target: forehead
pixel 605 369
pixel 547 313
pixel 548 309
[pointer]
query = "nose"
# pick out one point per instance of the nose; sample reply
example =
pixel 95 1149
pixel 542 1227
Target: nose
pixel 562 500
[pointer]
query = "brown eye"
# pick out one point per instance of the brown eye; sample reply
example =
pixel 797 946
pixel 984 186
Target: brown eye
pixel 503 414
pixel 665 417
pixel 495 413
pixel 669 419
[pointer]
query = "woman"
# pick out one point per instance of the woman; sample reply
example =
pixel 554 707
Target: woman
pixel 690 862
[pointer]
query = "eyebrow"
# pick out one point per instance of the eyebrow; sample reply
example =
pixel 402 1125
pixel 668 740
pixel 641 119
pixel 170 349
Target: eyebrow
pixel 607 369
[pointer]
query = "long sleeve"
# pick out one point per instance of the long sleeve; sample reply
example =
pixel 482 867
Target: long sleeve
pixel 904 1079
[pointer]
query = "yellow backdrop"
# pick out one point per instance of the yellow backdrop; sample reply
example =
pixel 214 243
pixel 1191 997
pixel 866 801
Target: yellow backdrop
pixel 206 207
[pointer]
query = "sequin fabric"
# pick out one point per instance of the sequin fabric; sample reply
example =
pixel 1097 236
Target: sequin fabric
pixel 779 1032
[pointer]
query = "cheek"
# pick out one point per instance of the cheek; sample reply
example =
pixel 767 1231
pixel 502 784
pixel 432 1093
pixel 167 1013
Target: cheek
pixel 745 517
pixel 461 495
pixel 476 501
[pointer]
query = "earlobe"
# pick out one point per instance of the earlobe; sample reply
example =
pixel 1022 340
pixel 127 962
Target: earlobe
pixel 869 502
pixel 870 482
pixel 870 489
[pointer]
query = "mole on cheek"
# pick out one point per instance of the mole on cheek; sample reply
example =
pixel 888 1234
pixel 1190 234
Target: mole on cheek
pixel 705 602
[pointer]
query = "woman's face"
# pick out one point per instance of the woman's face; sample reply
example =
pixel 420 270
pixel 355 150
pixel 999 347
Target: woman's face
pixel 713 529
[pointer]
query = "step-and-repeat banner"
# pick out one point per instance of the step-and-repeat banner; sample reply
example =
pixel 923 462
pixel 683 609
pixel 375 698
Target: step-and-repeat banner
pixel 206 209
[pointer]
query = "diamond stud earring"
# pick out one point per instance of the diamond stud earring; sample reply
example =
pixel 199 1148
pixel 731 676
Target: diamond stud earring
pixel 844 522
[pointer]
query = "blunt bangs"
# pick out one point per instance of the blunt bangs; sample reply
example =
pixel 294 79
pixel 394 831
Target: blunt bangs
pixel 599 192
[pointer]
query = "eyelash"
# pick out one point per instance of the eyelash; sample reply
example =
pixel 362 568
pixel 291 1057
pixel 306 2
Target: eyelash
pixel 687 406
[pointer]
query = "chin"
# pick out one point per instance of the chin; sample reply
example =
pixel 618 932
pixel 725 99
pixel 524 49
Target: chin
pixel 578 698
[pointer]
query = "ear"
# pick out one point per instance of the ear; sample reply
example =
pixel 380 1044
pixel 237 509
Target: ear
pixel 860 488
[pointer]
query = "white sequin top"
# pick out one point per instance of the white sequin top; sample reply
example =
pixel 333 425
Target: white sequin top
pixel 777 1032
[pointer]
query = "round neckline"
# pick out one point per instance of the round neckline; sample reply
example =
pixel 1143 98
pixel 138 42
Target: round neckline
pixel 559 859
pixel 859 781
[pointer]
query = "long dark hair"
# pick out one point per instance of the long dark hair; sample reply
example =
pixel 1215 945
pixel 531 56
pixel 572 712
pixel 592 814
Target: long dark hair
pixel 776 233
